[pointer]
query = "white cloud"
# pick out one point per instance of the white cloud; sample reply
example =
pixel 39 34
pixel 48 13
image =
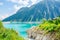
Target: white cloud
pixel 16 7
pixel 21 2
pixel 1 3
pixel 34 1
pixel 24 2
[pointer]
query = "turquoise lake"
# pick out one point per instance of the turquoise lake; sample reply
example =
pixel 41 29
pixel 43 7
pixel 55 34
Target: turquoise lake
pixel 21 28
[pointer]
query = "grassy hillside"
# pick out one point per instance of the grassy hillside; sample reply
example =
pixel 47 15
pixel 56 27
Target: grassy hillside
pixel 51 26
pixel 7 34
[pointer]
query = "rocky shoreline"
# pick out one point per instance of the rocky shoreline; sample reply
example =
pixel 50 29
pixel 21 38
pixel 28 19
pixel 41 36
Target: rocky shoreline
pixel 48 30
pixel 36 34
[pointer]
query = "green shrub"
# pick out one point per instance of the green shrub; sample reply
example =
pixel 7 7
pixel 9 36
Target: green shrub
pixel 51 25
pixel 8 34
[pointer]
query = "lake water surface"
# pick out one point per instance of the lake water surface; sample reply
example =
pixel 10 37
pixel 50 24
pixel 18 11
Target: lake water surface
pixel 21 28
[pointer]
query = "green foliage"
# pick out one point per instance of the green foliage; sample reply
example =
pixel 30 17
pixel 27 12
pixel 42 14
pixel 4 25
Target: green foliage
pixel 50 25
pixel 1 25
pixel 8 34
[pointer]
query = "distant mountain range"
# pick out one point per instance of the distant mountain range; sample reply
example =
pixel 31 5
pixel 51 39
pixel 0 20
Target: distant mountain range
pixel 48 9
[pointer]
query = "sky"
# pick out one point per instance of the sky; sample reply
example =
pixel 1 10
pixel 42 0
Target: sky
pixel 10 7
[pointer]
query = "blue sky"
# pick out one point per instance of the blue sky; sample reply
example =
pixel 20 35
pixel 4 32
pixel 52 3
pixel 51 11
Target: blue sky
pixel 10 7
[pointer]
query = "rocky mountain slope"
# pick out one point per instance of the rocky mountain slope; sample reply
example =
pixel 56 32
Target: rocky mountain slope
pixel 48 9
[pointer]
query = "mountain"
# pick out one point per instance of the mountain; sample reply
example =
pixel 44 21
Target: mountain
pixel 48 9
